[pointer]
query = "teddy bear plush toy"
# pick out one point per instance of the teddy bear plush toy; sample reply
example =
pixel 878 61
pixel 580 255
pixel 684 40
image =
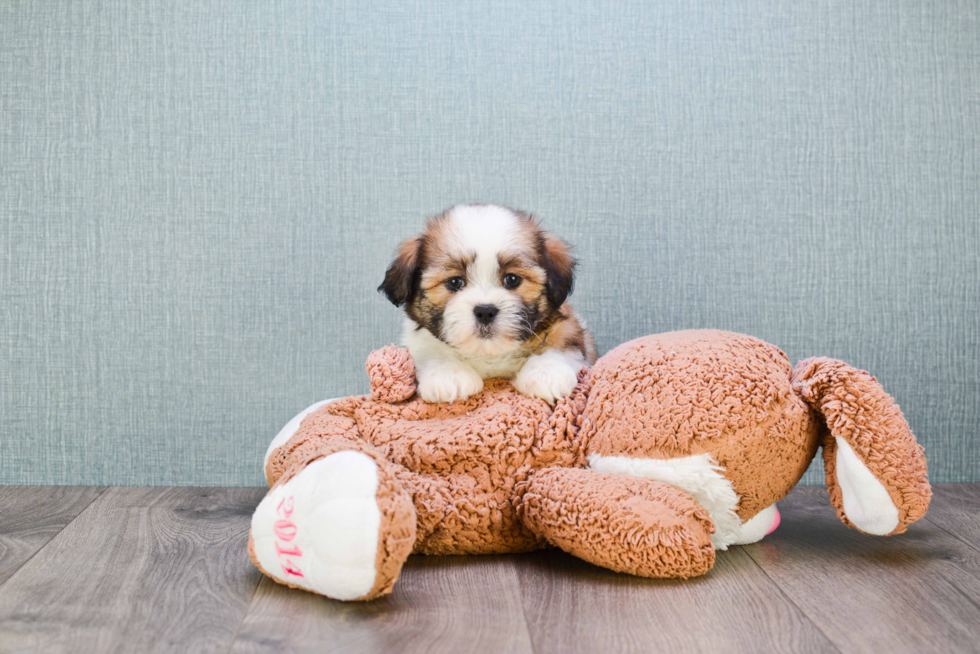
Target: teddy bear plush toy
pixel 670 448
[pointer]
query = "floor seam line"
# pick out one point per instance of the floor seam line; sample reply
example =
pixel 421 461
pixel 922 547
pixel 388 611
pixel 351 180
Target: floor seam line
pixel 969 546
pixel 43 547
pixel 953 534
pixel 520 596
pixel 248 608
pixel 793 602
pixel 251 600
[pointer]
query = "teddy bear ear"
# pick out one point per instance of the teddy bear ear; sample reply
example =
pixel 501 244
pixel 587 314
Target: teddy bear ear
pixel 864 500
pixel 876 471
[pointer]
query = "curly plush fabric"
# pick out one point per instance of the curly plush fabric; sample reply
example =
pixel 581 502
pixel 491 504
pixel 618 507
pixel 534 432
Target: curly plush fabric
pixel 857 409
pixel 392 374
pixel 627 524
pixel 694 392
pixel 398 520
pixel 671 418
pixel 462 463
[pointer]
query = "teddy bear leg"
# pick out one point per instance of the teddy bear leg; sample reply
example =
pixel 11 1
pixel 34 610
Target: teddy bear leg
pixel 290 429
pixel 336 523
pixel 621 522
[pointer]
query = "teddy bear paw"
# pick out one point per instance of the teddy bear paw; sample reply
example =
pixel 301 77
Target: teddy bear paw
pixel 320 529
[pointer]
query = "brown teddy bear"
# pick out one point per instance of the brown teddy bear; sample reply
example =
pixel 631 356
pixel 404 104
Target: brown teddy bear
pixel 671 447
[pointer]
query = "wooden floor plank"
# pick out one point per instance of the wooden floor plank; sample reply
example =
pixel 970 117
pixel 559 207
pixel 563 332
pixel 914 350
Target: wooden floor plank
pixel 440 604
pixel 956 508
pixel 910 593
pixel 30 516
pixel 142 570
pixel 154 569
pixel 572 606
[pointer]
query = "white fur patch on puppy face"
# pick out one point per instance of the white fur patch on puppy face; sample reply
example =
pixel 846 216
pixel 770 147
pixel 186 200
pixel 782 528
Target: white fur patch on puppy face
pixel 483 234
pixel 485 229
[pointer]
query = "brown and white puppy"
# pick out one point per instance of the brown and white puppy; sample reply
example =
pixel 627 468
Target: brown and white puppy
pixel 484 293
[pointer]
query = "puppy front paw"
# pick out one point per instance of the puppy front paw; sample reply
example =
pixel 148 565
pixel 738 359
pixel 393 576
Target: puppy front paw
pixel 448 383
pixel 547 377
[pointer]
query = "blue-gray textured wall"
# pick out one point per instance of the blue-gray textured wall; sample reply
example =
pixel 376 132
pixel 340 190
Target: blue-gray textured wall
pixel 198 199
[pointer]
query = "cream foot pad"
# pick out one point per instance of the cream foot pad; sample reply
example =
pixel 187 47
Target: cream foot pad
pixel 319 530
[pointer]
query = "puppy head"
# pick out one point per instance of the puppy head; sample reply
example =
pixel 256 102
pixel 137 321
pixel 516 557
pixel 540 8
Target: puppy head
pixel 483 279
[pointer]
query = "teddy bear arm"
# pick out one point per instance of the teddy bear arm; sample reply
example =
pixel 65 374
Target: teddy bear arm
pixel 876 471
pixel 624 523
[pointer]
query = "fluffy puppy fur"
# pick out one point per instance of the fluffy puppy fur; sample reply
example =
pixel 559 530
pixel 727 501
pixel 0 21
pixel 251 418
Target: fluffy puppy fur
pixel 484 292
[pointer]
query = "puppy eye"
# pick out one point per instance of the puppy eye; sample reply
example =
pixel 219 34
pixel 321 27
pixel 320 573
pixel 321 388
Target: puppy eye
pixel 455 283
pixel 512 281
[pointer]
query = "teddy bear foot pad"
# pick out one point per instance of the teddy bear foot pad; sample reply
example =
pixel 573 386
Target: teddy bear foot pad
pixel 320 529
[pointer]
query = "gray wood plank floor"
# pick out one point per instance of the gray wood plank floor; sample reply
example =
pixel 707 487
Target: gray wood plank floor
pixel 165 570
pixel 30 517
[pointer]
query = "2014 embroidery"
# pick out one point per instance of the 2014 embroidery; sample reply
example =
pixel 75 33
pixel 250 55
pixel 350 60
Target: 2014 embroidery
pixel 286 530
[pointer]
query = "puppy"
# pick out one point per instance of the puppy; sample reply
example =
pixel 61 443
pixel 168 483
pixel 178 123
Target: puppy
pixel 484 293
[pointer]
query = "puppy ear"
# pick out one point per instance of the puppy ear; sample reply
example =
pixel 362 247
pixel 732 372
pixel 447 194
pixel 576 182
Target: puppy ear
pixel 559 268
pixel 402 277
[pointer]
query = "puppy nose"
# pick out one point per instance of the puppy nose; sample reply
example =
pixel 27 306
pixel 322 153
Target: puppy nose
pixel 485 313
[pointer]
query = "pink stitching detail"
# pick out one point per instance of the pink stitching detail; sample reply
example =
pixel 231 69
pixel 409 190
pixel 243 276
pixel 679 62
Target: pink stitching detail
pixel 293 552
pixel 285 508
pixel 285 530
pixel 288 568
